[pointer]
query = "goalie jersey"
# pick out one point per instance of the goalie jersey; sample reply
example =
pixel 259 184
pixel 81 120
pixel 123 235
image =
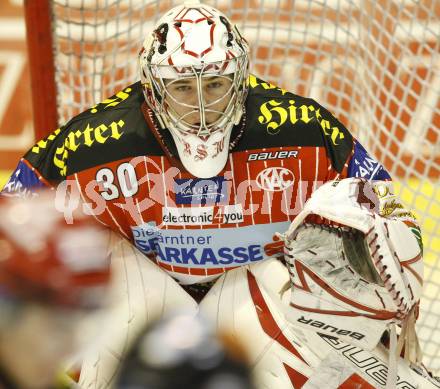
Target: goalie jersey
pixel 114 157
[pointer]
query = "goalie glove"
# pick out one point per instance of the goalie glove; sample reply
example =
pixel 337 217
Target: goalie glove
pixel 355 272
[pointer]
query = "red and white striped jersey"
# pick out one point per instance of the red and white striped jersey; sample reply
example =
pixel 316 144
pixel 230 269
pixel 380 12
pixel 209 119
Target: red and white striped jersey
pixel 195 229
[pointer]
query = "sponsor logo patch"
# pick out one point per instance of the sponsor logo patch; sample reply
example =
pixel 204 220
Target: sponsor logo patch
pixel 264 156
pixel 112 101
pixel 202 249
pixel 79 138
pixel 275 179
pixel 202 215
pixel 200 191
pixel 209 248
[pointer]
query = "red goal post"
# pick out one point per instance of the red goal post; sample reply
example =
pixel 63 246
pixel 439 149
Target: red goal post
pixel 40 44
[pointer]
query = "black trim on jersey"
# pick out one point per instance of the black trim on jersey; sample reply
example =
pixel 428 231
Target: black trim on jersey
pixel 116 129
pixel 136 139
pixel 258 135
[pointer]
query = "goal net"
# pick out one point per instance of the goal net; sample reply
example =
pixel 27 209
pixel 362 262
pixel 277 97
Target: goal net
pixel 374 63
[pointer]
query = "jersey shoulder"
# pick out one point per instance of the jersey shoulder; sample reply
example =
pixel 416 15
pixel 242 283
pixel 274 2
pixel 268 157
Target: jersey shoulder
pixel 276 117
pixel 109 131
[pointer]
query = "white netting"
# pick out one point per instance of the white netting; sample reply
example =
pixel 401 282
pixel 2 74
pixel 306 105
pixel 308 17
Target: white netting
pixel 374 64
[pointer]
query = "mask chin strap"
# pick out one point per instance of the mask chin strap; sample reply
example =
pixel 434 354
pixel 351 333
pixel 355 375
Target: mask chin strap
pixel 392 358
pixel 408 342
pixel 408 339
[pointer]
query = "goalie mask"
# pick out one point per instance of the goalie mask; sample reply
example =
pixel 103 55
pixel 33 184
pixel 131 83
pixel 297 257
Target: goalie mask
pixel 194 67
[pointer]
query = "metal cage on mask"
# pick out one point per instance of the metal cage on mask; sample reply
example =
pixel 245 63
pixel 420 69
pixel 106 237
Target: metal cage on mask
pixel 205 114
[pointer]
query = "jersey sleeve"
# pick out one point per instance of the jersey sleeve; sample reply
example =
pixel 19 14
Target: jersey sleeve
pixel 89 139
pixel 36 169
pixel 24 181
pixel 362 165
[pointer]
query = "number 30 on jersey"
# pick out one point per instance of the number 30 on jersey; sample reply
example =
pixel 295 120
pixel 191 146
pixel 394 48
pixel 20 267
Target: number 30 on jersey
pixel 125 177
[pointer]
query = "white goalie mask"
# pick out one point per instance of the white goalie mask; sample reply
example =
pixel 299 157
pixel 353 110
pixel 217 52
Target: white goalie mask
pixel 194 67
